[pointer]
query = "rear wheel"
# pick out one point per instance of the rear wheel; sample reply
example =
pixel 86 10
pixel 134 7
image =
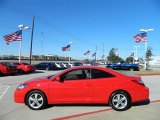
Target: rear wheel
pixel 36 100
pixel 120 101
pixel 131 69
pixel 1 73
pixel 47 68
pixel 21 71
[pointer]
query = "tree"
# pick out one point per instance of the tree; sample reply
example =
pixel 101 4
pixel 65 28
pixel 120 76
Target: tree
pixel 148 57
pixel 129 59
pixel 113 57
pixel 149 54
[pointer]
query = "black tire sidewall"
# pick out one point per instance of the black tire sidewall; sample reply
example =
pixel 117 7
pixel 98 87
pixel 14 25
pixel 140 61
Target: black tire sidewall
pixel 131 69
pixel 21 71
pixel 44 100
pixel 47 68
pixel 128 101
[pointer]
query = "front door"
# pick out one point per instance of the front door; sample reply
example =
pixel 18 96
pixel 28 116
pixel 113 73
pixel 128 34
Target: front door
pixel 73 88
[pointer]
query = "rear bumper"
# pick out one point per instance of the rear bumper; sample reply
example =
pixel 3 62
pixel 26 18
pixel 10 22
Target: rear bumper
pixel 9 72
pixel 29 69
pixel 141 95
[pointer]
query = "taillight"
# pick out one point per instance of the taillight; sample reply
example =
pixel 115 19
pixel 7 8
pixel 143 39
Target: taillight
pixel 140 82
pixel 26 66
pixel 6 68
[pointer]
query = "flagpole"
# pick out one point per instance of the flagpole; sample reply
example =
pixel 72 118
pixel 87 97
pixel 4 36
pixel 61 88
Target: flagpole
pixel 96 55
pixel 145 62
pixel 70 51
pixel 69 56
pixel 30 58
pixel 145 30
pixel 20 48
pixel 21 27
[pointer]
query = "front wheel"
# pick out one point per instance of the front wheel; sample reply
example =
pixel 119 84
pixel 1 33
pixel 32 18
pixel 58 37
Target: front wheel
pixel 131 69
pixel 120 101
pixel 36 100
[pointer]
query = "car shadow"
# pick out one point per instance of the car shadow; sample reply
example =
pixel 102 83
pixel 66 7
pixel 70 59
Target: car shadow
pixel 141 103
pixel 77 105
pixel 35 72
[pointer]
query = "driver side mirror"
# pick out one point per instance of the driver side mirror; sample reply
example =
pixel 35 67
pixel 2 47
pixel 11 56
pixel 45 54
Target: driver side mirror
pixel 57 79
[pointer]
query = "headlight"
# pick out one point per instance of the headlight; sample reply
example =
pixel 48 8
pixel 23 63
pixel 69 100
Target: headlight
pixel 21 86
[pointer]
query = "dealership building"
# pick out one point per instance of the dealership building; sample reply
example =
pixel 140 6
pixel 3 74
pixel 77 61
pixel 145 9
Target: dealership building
pixel 155 60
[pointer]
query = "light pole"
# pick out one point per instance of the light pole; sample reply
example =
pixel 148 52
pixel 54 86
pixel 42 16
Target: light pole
pixel 30 58
pixel 136 52
pixel 21 27
pixel 69 52
pixel 145 30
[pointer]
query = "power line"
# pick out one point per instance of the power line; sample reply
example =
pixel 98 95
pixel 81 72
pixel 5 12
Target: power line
pixel 14 8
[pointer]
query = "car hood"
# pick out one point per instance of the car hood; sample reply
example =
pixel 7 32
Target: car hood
pixel 38 80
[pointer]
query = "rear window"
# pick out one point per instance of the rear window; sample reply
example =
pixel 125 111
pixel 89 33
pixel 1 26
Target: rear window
pixel 16 64
pixel 26 64
pixel 100 74
pixel 6 64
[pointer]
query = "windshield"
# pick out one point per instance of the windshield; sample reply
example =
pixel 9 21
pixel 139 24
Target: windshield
pixel 50 76
pixel 26 64
pixel 6 63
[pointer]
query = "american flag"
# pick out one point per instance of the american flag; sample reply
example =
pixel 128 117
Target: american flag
pixel 16 36
pixel 66 48
pixel 141 37
pixel 87 53
pixel 94 54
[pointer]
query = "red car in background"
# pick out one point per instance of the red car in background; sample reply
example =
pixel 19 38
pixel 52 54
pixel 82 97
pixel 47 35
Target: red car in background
pixel 25 67
pixel 85 84
pixel 7 68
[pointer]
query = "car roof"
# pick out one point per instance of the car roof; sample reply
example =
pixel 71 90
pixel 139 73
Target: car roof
pixel 96 67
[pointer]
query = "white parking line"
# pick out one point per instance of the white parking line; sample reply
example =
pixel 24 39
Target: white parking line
pixel 3 90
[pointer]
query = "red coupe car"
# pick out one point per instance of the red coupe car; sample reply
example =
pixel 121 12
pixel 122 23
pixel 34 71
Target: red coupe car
pixel 83 85
pixel 25 67
pixel 7 69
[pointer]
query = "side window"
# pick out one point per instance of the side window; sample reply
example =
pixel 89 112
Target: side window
pixel 74 75
pixel 40 64
pixel 100 74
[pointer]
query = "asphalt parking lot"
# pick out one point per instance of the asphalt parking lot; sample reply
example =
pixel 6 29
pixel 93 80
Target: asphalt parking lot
pixel 13 111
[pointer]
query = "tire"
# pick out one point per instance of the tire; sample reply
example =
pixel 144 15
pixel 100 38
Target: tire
pixel 131 69
pixel 47 68
pixel 120 101
pixel 1 73
pixel 36 100
pixel 21 71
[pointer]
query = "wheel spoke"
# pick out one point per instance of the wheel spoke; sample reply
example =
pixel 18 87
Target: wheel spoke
pixel 123 99
pixel 122 105
pixel 117 105
pixel 36 95
pixel 118 96
pixel 40 99
pixel 33 104
pixel 31 98
pixel 115 100
pixel 38 104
